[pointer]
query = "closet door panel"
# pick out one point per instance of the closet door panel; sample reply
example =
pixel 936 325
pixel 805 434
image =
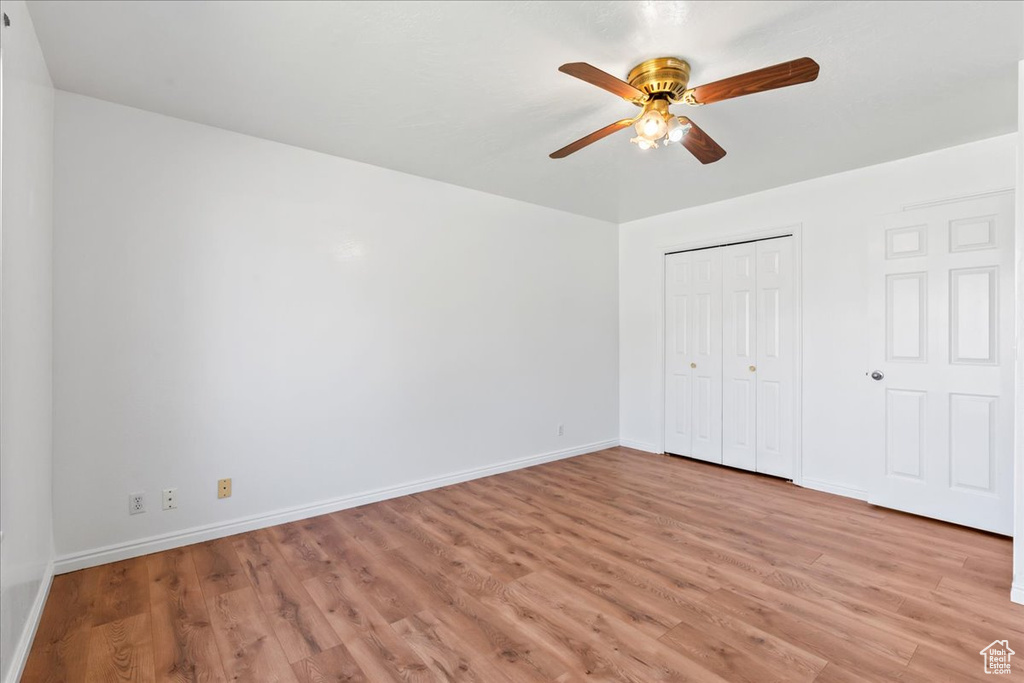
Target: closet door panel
pixel 739 355
pixel 706 356
pixel 775 364
pixel 678 347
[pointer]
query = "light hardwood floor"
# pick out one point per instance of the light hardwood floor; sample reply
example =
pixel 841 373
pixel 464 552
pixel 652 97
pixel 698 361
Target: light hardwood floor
pixel 617 565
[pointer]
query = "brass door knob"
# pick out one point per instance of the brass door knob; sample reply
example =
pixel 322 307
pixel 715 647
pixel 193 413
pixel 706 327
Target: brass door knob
pixel 693 365
pixel 753 368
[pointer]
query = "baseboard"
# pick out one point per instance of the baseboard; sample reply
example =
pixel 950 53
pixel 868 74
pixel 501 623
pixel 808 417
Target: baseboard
pixel 818 485
pixel 640 445
pixel 20 655
pixel 155 544
pixel 1017 593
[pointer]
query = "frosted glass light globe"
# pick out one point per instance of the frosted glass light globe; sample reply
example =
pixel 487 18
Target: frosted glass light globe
pixel 651 126
pixel 677 130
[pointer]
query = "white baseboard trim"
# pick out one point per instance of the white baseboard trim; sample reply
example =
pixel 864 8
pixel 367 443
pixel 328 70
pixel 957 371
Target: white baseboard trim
pixel 155 544
pixel 640 445
pixel 837 489
pixel 1017 593
pixel 24 646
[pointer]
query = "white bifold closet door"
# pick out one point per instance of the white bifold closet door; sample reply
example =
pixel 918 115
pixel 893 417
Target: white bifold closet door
pixel 693 391
pixel 730 355
pixel 776 362
pixel 739 351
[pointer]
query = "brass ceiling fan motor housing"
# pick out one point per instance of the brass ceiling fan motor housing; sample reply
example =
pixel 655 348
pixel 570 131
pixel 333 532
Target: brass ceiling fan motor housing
pixel 661 77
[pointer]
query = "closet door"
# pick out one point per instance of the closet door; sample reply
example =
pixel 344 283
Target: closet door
pixel 739 344
pixel 706 356
pixel 775 356
pixel 693 354
pixel 678 352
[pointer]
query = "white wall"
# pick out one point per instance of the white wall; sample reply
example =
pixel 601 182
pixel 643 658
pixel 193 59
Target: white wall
pixel 26 552
pixel 313 327
pixel 834 213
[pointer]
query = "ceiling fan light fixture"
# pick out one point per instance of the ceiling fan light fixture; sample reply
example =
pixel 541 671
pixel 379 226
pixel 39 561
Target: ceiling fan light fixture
pixel 677 130
pixel 643 143
pixel 651 125
pixel 658 83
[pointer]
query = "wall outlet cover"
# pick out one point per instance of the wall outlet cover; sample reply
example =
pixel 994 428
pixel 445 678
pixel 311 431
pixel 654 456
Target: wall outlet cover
pixel 170 499
pixel 224 488
pixel 136 503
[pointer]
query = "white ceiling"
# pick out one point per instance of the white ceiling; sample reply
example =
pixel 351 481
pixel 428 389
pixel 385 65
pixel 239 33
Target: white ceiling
pixel 468 92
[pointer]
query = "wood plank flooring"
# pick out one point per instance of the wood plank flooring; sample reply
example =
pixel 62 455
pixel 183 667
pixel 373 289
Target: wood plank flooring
pixel 616 566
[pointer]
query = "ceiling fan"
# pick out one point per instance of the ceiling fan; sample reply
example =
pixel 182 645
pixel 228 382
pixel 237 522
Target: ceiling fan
pixel 657 83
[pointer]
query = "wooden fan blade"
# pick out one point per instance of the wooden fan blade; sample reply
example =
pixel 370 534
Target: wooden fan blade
pixel 594 76
pixel 589 139
pixel 803 70
pixel 700 143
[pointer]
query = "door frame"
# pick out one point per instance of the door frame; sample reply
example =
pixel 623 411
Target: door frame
pixel 795 230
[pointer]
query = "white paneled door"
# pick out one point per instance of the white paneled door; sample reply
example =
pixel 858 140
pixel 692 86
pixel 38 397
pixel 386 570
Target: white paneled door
pixel 776 357
pixel 739 357
pixel 678 354
pixel 693 388
pixel 706 358
pixel 941 334
pixel 729 355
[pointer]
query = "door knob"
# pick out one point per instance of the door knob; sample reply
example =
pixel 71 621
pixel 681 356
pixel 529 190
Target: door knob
pixel 877 375
pixel 693 365
pixel 753 368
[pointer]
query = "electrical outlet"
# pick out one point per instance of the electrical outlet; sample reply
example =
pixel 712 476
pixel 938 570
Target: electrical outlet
pixel 170 499
pixel 561 430
pixel 136 503
pixel 224 488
